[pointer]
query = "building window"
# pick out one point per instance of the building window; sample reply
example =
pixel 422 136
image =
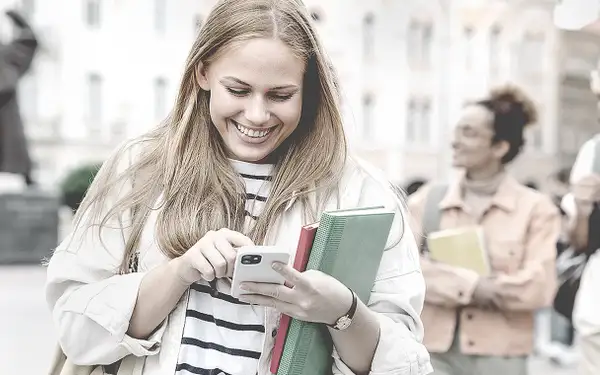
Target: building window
pixel 368 36
pixel 531 54
pixel 198 21
pixel 538 139
pixel 160 99
pixel 368 113
pixel 92 13
pixel 418 120
pixel 469 46
pixel 160 15
pixel 94 102
pixel 420 43
pixel 315 14
pixel 494 50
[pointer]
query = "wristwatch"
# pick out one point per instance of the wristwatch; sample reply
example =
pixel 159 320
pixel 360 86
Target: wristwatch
pixel 346 320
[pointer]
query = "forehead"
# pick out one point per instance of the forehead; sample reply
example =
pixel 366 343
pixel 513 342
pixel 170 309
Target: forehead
pixel 260 62
pixel 475 116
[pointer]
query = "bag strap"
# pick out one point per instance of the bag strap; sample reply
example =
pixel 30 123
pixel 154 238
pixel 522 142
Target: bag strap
pixel 431 213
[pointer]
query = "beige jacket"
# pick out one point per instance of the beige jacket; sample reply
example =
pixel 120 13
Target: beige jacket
pixel 521 229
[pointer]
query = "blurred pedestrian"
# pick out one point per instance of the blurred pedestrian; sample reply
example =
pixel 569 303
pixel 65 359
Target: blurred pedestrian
pixel 15 60
pixel 254 149
pixel 582 205
pixel 478 324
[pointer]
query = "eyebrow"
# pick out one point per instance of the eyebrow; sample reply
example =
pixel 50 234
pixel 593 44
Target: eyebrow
pixel 239 81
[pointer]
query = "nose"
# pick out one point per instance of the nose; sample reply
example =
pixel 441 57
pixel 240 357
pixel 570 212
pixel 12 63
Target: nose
pixel 257 112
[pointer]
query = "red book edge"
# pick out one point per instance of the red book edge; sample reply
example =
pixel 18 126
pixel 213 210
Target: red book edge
pixel 305 242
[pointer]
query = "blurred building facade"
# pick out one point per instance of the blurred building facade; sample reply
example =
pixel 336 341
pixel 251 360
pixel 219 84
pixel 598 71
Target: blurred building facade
pixel 109 69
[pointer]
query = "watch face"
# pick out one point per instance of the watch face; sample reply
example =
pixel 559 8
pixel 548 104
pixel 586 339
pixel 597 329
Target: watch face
pixel 343 323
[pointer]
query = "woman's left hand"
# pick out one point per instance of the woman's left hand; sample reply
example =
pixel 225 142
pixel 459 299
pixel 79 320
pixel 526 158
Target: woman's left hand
pixel 313 297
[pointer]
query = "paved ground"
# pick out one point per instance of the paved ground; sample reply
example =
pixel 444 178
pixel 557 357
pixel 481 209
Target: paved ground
pixel 27 338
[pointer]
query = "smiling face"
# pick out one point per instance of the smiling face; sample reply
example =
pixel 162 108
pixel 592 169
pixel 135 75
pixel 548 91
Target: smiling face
pixel 255 97
pixel 472 146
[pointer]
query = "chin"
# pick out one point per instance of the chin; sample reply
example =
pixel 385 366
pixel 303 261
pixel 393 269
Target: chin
pixel 457 163
pixel 251 157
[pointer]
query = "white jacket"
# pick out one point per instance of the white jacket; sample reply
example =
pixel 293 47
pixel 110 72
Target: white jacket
pixel 91 305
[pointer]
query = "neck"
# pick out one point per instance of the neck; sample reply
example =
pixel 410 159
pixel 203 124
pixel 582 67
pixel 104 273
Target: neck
pixel 484 174
pixel 483 182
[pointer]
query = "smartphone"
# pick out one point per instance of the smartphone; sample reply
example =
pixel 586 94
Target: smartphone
pixel 254 263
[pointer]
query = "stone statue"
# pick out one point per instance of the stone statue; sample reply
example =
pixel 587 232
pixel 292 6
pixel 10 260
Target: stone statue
pixel 15 60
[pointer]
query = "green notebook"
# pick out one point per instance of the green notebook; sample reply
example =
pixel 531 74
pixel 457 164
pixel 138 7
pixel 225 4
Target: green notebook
pixel 348 245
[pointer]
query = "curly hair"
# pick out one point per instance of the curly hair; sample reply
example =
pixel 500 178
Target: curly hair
pixel 512 111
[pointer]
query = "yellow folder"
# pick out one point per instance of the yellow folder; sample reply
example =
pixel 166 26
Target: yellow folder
pixel 460 247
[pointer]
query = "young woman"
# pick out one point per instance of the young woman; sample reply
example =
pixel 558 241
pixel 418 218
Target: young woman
pixel 477 324
pixel 254 149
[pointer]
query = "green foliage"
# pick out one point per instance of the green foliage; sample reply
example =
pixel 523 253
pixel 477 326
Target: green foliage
pixel 76 184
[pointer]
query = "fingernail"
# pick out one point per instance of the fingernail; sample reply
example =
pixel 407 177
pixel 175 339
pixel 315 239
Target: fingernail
pixel 244 286
pixel 277 266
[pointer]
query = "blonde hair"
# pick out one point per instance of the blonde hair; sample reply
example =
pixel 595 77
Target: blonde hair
pixel 185 162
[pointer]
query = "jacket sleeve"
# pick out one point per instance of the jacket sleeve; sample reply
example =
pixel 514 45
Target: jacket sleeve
pixel 446 285
pixel 91 304
pixel 534 285
pixel 397 296
pixel 16 58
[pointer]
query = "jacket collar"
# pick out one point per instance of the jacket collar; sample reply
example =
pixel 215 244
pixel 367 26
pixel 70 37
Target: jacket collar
pixel 505 198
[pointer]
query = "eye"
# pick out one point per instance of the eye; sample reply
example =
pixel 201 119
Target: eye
pixel 281 97
pixel 238 92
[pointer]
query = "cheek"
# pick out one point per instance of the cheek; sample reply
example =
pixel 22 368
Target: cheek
pixel 223 105
pixel 289 113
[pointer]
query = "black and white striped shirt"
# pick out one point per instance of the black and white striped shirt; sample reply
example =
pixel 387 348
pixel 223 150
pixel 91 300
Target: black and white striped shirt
pixel 221 334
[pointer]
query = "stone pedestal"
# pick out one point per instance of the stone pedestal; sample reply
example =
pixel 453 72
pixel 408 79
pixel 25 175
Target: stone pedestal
pixel 29 222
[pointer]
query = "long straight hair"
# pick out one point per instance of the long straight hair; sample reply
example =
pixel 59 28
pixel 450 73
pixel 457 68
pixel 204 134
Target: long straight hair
pixel 185 162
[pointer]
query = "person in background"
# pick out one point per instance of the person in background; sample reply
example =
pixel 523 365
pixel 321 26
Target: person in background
pixel 15 60
pixel 484 324
pixel 554 333
pixel 581 205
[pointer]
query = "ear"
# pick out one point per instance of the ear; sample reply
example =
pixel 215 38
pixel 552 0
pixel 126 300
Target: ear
pixel 500 149
pixel 202 77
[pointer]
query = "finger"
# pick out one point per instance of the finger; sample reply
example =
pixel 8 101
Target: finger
pixel 291 275
pixel 227 252
pixel 236 238
pixel 281 306
pixel 201 264
pixel 276 291
pixel 216 261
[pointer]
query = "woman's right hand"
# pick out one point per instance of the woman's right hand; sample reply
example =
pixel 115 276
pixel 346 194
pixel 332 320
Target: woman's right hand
pixel 213 256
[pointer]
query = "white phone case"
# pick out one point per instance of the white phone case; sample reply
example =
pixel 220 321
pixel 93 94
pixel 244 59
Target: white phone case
pixel 261 271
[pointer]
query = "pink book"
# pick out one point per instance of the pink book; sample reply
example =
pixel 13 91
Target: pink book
pixel 307 236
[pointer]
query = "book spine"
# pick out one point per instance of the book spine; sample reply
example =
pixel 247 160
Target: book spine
pixel 300 334
pixel 305 242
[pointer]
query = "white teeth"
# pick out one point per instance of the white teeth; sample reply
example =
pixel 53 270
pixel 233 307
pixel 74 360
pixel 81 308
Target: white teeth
pixel 252 133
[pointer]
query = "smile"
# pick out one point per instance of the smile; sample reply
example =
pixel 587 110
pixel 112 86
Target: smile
pixel 251 132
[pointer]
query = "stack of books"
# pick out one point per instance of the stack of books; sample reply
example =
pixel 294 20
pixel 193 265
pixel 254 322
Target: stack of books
pixel 348 245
